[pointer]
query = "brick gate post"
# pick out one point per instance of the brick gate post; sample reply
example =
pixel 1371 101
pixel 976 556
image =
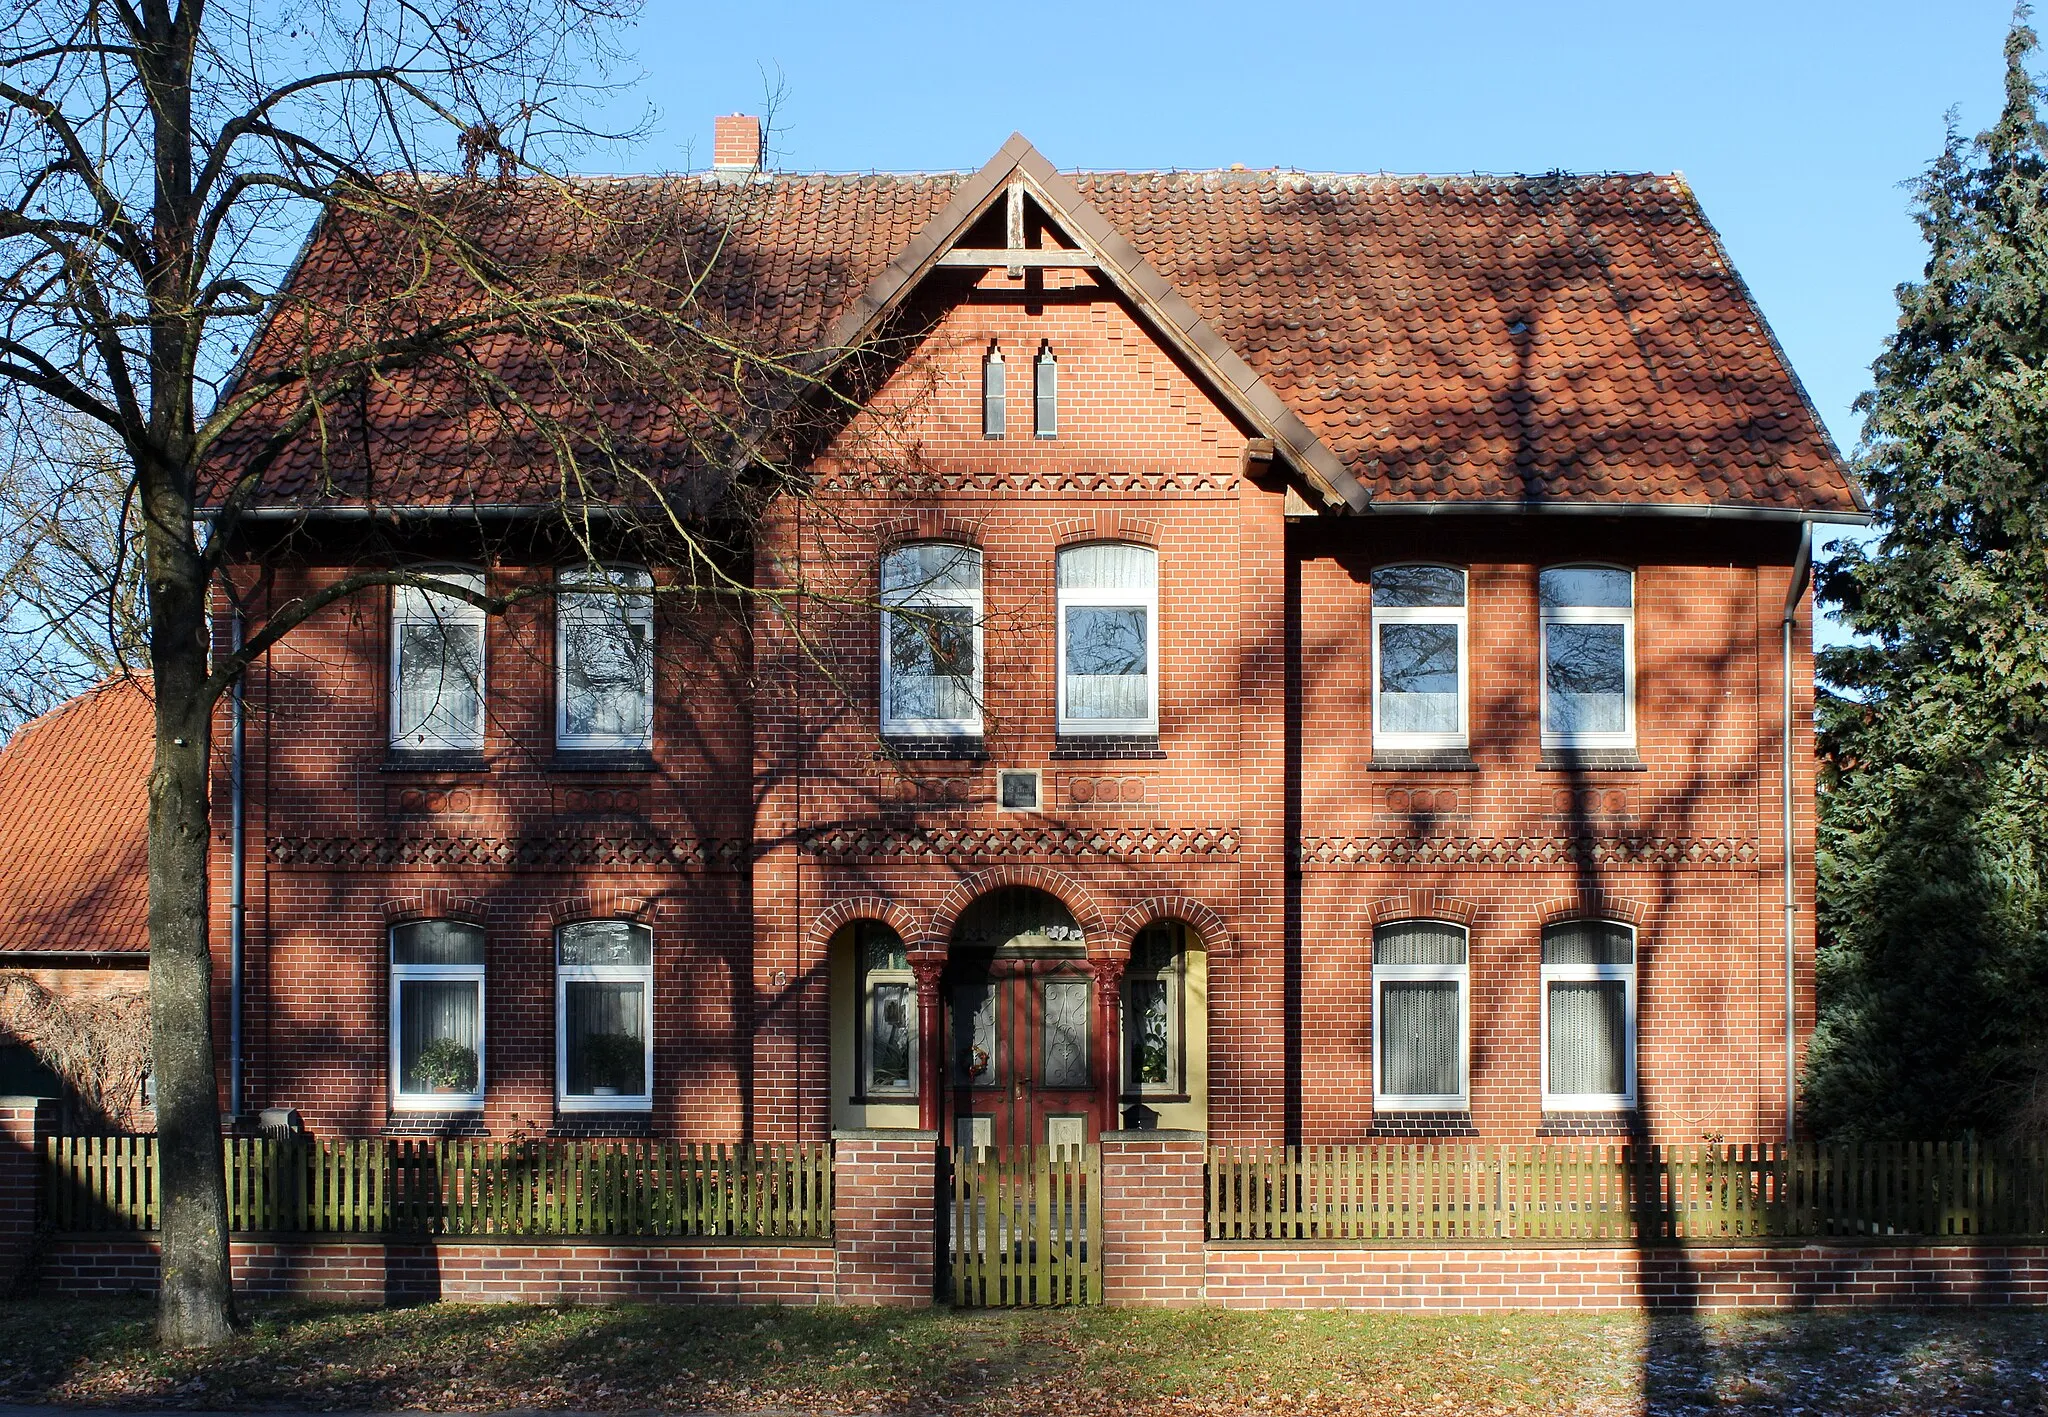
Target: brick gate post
pixel 24 1122
pixel 885 1217
pixel 1153 1219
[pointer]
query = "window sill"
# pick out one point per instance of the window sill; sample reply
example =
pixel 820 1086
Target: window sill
pixel 966 747
pixel 1132 1099
pixel 602 1124
pixel 893 1099
pixel 1422 760
pixel 602 760
pixel 1591 760
pixel 1072 747
pixel 436 1124
pixel 1423 1124
pixel 401 760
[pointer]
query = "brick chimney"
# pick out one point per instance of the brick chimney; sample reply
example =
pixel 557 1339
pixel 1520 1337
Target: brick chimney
pixel 735 144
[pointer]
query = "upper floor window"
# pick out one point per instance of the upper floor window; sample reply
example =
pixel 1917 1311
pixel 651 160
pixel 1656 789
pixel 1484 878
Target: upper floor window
pixel 888 1013
pixel 1418 657
pixel 1589 1015
pixel 437 666
pixel 992 393
pixel 1588 619
pixel 1420 986
pixel 604 1024
pixel 1045 394
pixel 931 639
pixel 1108 640
pixel 604 658
pixel 437 1015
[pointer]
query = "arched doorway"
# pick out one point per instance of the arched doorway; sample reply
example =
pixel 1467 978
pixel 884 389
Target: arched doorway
pixel 1023 1057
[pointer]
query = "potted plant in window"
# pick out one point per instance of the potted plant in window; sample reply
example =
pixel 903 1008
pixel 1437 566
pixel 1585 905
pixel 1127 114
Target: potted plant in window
pixel 612 1062
pixel 447 1065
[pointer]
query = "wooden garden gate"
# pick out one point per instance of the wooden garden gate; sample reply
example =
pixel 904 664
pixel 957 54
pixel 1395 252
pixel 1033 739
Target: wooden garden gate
pixel 1020 1227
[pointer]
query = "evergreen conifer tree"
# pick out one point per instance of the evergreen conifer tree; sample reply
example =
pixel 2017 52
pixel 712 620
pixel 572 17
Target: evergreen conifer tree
pixel 1933 972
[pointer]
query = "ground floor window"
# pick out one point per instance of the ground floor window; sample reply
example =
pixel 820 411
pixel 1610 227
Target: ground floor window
pixel 604 1031
pixel 1153 1062
pixel 437 1015
pixel 1420 980
pixel 888 1013
pixel 1589 1015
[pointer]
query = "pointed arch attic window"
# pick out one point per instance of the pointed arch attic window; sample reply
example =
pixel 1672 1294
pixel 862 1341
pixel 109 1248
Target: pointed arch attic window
pixel 992 393
pixel 1045 393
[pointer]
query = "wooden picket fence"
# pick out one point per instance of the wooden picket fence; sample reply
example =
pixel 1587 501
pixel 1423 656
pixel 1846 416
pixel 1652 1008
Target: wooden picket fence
pixel 429 1187
pixel 1627 1193
pixel 1022 1227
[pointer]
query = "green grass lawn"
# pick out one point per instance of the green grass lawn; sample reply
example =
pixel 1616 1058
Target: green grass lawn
pixel 1085 1361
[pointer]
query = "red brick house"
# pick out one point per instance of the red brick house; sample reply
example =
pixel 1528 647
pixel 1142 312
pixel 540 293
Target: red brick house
pixel 1312 667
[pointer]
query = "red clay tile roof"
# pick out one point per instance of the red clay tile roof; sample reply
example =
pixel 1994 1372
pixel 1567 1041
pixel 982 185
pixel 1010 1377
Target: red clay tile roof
pixel 1472 339
pixel 74 830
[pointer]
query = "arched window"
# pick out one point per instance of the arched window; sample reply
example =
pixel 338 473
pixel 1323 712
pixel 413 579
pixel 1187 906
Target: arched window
pixel 1418 657
pixel 1589 1016
pixel 1108 639
pixel 1420 990
pixel 931 639
pixel 437 1016
pixel 1154 1006
pixel 1045 393
pixel 992 393
pixel 604 1020
pixel 1589 662
pixel 604 658
pixel 888 1013
pixel 437 666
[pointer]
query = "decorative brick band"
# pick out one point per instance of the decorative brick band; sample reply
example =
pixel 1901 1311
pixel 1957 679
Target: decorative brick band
pixel 868 482
pixel 370 853
pixel 868 839
pixel 1506 851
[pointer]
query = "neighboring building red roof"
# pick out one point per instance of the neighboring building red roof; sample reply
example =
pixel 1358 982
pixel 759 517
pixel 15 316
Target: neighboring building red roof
pixel 74 825
pixel 1503 340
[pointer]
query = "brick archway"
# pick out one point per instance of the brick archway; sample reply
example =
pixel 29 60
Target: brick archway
pixel 1421 904
pixel 938 937
pixel 1593 905
pixel 840 914
pixel 1189 911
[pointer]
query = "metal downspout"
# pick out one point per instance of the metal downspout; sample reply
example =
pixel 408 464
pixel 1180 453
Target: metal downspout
pixel 1802 566
pixel 237 896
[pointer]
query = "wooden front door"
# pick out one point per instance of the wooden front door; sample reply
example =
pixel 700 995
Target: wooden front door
pixel 1021 1057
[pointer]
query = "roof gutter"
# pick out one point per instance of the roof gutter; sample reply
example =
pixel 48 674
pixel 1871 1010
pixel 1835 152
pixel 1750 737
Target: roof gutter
pixel 1802 568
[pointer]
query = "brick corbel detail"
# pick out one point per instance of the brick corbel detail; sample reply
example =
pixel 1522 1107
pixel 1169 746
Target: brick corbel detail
pixel 939 934
pixel 837 916
pixel 435 904
pixel 1594 905
pixel 600 905
pixel 1189 911
pixel 1421 904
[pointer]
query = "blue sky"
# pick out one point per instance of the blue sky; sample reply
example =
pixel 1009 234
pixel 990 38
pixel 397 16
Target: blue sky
pixel 1795 121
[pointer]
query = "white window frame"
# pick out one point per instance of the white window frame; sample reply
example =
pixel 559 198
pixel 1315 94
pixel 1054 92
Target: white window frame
pixel 567 974
pixel 1147 600
pixel 414 605
pixel 1461 975
pixel 1588 615
pixel 573 584
pixel 1175 979
pixel 868 978
pixel 401 1100
pixel 1424 615
pixel 995 394
pixel 1045 403
pixel 1593 973
pixel 919 597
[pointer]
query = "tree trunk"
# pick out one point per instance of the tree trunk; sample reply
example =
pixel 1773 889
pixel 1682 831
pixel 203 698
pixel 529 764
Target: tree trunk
pixel 196 1305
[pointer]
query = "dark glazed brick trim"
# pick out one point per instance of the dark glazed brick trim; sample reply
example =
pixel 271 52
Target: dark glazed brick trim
pixel 1591 760
pixel 964 747
pixel 398 760
pixel 435 1124
pixel 1422 760
pixel 602 1124
pixel 600 760
pixel 1076 747
pixel 1423 1124
pixel 1589 1124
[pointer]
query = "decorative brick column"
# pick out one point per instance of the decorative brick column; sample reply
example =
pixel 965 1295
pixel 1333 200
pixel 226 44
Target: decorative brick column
pixel 1153 1225
pixel 885 1217
pixel 23 1123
